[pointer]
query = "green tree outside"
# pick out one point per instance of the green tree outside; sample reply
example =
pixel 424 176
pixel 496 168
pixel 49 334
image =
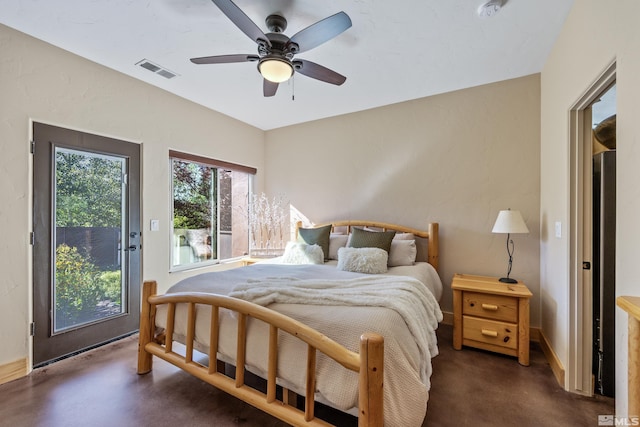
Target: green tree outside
pixel 89 194
pixel 88 191
pixel 77 285
pixel 193 195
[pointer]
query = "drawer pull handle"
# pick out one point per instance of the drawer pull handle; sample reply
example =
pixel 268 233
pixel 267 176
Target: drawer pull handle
pixel 489 333
pixel 490 307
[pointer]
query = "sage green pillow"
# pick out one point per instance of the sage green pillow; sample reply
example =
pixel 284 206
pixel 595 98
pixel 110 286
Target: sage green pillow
pixel 371 239
pixel 316 236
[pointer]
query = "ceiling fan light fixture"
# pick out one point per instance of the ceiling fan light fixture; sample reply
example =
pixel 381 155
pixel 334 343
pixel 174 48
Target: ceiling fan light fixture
pixel 274 69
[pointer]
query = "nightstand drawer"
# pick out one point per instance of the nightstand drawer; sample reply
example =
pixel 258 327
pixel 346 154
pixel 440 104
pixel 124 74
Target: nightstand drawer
pixel 491 332
pixel 496 307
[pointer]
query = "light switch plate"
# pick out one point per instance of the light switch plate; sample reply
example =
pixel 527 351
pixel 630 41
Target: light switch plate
pixel 558 229
pixel 155 225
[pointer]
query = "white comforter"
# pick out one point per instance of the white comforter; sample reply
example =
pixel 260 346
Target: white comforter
pixel 342 306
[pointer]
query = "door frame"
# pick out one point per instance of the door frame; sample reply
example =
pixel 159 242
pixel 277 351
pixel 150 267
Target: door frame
pixel 105 333
pixel 580 377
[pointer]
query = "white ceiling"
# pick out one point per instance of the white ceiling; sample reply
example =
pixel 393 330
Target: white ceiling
pixel 395 50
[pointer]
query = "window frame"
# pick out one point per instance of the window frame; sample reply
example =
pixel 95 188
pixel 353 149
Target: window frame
pixel 217 165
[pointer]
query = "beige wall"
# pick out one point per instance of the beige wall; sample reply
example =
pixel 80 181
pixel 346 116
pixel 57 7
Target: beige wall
pixel 595 35
pixel 456 158
pixel 42 83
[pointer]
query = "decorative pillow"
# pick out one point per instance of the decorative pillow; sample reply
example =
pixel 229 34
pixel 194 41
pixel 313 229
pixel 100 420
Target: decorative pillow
pixel 316 236
pixel 371 239
pixel 402 252
pixel 404 236
pixel 301 253
pixel 336 241
pixel 363 260
pixel 397 236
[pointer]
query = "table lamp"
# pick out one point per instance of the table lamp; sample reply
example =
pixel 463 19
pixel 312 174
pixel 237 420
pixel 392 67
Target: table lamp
pixel 509 222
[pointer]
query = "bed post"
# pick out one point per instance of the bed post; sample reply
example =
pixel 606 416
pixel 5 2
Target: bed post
pixel 149 288
pixel 370 394
pixel 433 243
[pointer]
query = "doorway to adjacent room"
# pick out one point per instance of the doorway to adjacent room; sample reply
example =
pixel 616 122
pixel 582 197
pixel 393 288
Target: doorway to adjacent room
pixel 592 244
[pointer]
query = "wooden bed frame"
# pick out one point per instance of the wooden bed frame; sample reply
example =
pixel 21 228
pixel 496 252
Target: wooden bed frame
pixel 368 363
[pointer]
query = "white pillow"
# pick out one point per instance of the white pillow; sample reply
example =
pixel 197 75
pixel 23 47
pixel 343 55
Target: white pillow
pixel 336 241
pixel 301 253
pixel 363 260
pixel 404 236
pixel 402 252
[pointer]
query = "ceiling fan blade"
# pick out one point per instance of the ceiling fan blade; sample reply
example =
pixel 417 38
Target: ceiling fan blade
pixel 225 59
pixel 242 21
pixel 320 32
pixel 316 71
pixel 269 88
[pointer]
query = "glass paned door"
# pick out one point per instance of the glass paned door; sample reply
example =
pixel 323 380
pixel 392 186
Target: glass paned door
pixel 90 207
pixel 86 241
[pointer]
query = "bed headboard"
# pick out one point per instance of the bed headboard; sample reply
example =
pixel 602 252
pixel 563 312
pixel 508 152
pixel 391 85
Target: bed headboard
pixel 426 240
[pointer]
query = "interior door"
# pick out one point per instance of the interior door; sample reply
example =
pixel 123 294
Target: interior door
pixel 86 242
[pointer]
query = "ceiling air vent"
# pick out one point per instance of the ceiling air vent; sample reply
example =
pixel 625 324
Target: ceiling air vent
pixel 155 68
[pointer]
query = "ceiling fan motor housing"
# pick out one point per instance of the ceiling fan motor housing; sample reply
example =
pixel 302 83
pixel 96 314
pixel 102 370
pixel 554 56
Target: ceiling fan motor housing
pixel 280 46
pixel 276 23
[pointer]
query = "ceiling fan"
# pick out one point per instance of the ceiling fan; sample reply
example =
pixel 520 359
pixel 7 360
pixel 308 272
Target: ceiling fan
pixel 276 51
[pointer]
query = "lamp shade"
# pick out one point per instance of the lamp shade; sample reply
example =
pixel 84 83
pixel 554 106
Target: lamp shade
pixel 274 69
pixel 509 221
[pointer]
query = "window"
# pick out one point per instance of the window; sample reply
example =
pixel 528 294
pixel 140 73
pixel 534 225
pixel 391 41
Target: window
pixel 210 210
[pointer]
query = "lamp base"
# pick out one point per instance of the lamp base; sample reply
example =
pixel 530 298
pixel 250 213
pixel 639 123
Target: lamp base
pixel 508 280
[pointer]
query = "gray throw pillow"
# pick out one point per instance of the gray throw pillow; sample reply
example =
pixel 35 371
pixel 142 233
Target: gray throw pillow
pixel 371 239
pixel 316 236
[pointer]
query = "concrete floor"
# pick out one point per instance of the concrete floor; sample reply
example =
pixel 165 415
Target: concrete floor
pixel 477 388
pixel 101 388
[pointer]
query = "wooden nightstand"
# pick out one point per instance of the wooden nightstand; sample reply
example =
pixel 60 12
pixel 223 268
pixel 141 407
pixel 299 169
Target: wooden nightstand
pixel 491 315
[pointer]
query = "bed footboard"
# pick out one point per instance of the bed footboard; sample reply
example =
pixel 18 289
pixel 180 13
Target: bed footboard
pixel 368 363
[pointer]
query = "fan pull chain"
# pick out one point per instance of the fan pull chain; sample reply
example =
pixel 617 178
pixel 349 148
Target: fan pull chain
pixel 293 88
